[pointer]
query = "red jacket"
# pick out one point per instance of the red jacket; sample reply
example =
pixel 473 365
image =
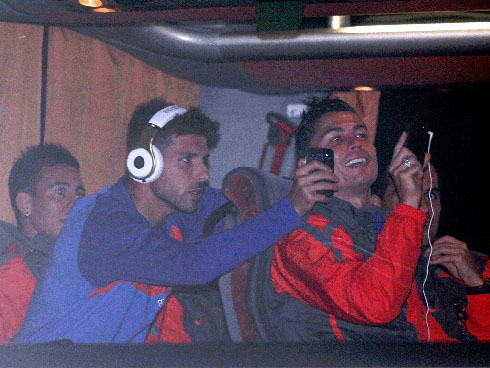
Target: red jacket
pixel 16 286
pixel 369 291
pixel 22 261
pixel 362 291
pixel 474 316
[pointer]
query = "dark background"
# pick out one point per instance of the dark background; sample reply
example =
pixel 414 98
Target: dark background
pixel 459 119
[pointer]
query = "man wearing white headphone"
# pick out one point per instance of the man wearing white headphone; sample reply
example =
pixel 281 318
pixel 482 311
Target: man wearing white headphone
pixel 117 257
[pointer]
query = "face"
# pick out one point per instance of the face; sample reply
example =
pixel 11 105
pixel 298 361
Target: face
pixel 355 162
pixel 60 186
pixel 390 200
pixel 185 174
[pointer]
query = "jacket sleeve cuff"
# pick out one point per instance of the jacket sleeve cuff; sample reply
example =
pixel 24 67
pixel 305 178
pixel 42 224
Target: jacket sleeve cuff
pixel 406 210
pixel 285 208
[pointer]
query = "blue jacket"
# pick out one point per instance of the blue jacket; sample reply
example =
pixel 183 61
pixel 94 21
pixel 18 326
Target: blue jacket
pixel 96 289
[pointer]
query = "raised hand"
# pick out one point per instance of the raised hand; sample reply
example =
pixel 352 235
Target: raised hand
pixel 406 172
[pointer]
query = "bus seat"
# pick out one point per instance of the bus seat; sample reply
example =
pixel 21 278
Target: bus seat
pixel 251 191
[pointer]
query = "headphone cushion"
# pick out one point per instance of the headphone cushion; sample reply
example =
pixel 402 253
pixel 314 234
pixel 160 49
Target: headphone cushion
pixel 158 169
pixel 144 167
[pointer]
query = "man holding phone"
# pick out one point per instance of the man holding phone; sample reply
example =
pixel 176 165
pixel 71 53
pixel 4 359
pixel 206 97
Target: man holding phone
pixel 347 272
pixel 124 248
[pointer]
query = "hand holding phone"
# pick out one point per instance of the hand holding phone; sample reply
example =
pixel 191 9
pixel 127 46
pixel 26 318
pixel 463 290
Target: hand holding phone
pixel 325 156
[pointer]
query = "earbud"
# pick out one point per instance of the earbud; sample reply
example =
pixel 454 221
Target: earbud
pixel 431 134
pixel 145 163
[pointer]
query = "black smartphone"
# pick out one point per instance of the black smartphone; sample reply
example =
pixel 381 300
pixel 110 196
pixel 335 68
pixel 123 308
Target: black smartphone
pixel 418 141
pixel 324 155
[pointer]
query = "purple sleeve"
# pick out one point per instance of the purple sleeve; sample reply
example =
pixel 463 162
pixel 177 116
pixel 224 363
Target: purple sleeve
pixel 192 225
pixel 117 243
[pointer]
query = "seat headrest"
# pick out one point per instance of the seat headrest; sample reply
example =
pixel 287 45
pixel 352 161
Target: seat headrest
pixel 246 185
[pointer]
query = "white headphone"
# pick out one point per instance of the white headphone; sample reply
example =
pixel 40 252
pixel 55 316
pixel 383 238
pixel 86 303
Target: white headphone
pixel 145 163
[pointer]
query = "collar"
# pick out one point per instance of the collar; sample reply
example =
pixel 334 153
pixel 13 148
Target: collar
pixel 10 234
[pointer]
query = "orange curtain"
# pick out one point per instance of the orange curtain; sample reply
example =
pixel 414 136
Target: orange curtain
pixel 92 90
pixel 20 91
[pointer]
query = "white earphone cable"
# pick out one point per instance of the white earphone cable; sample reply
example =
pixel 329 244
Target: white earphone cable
pixel 431 134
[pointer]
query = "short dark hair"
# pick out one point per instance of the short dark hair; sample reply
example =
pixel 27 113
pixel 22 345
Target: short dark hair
pixel 194 121
pixel 27 169
pixel 316 108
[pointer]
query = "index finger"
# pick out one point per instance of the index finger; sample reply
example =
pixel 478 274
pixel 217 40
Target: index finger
pixel 401 142
pixel 306 168
pixel 447 239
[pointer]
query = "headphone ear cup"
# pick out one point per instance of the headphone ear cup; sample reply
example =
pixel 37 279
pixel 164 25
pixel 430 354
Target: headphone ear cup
pixel 139 164
pixel 158 168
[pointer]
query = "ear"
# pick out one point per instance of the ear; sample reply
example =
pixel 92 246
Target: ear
pixel 24 203
pixel 375 200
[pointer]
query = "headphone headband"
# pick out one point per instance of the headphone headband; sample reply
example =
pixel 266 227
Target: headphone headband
pixel 162 117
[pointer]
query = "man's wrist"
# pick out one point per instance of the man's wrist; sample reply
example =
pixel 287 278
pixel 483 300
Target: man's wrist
pixel 481 289
pixel 412 201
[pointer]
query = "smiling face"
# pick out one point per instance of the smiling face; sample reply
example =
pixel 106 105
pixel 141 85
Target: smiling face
pixel 60 186
pixel 355 160
pixel 185 174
